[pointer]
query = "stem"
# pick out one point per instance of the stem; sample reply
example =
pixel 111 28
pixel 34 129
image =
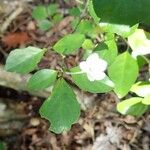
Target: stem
pixel 70 73
pixel 148 61
pixel 82 14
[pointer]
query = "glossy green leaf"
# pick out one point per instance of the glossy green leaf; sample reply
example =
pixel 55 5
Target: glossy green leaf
pixel 69 44
pixel 126 12
pixel 61 108
pixel 123 72
pixel 146 100
pixel 132 106
pixel 122 30
pixel 42 79
pixel 24 60
pixel 85 84
pixel 107 50
pixel 141 88
pixel 39 13
pixel 45 25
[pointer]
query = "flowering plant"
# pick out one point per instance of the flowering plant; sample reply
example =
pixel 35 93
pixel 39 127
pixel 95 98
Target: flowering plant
pixel 106 68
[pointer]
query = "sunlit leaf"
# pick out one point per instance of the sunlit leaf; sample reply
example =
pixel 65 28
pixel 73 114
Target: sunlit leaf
pixel 123 72
pixel 141 88
pixel 132 106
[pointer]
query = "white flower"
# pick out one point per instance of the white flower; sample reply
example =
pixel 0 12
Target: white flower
pixel 94 67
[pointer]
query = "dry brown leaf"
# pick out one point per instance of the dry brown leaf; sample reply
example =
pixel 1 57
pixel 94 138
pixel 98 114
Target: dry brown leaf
pixel 15 39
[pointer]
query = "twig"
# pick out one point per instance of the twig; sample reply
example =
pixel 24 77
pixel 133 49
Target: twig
pixel 12 16
pixel 18 82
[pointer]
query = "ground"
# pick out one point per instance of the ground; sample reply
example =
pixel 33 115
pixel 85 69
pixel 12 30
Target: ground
pixel 100 126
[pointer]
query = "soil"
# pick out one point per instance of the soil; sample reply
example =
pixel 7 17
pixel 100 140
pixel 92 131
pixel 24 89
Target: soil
pixel 100 126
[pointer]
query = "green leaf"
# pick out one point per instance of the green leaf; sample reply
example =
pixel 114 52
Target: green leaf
pixel 122 30
pixel 107 51
pixel 123 72
pixel 45 25
pixel 146 100
pixel 141 61
pixel 126 12
pixel 88 44
pixel 42 79
pixel 39 13
pixel 139 43
pixel 86 27
pixel 52 9
pixel 62 108
pixel 2 146
pixel 57 18
pixel 74 11
pixel 74 23
pixel 24 60
pixel 141 88
pixel 132 106
pixel 85 84
pixel 69 44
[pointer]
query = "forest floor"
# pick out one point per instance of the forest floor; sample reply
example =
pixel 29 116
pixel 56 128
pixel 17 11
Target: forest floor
pixel 100 126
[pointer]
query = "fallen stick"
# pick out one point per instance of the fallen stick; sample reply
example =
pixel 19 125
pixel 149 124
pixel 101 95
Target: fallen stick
pixel 18 82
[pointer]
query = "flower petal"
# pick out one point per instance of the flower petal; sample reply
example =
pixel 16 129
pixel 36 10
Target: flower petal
pixel 83 66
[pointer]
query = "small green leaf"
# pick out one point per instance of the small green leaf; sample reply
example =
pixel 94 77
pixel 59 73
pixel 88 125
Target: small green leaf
pixel 141 88
pixel 24 60
pixel 62 108
pixel 146 100
pixel 52 9
pixel 74 11
pixel 39 13
pixel 88 44
pixel 57 18
pixel 42 79
pixel 107 51
pixel 122 30
pixel 132 106
pixel 123 72
pixel 85 84
pixel 69 44
pixel 86 27
pixel 44 25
